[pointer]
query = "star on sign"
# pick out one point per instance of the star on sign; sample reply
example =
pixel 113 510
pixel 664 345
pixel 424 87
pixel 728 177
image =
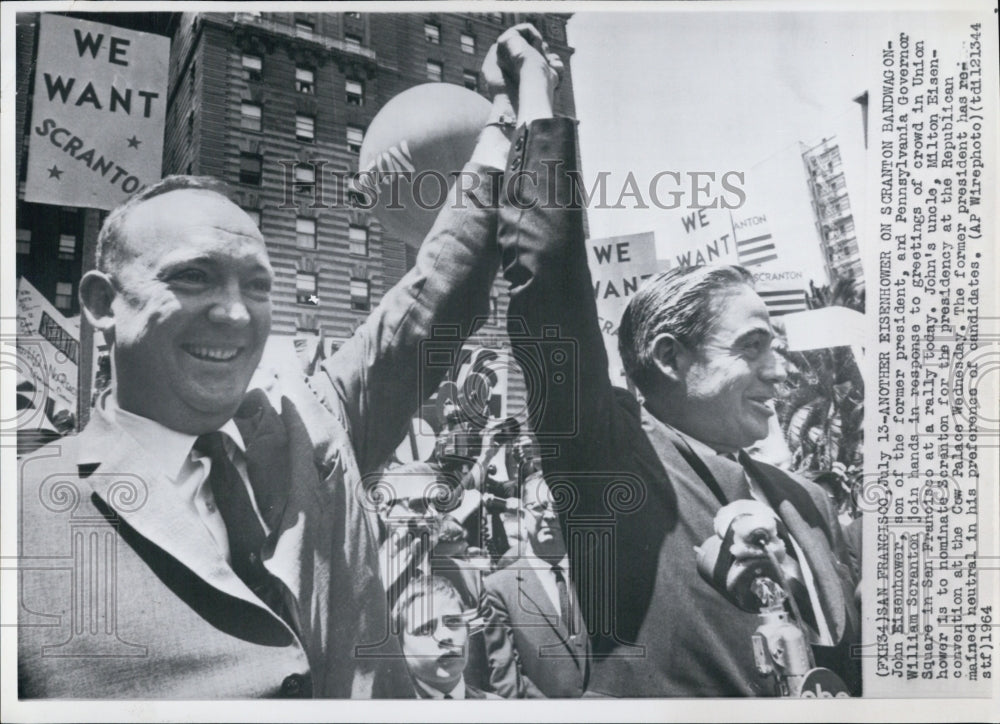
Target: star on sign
pixel 133 142
pixel 55 173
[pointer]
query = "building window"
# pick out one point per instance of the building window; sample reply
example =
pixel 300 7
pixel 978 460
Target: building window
pixel 250 115
pixel 496 17
pixel 353 42
pixel 305 233
pixel 353 16
pixel 305 127
pixel 64 295
pixel 24 241
pixel 303 29
pixel 355 92
pixel 252 67
pixel 435 71
pixel 250 169
pixel 355 137
pixel 305 288
pixel 305 80
pixel 468 43
pixel 432 33
pixel 361 295
pixel 67 246
pixel 254 215
pixel 359 239
pixel 470 80
pixel 305 179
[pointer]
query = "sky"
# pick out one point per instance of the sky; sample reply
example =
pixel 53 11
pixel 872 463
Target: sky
pixel 696 89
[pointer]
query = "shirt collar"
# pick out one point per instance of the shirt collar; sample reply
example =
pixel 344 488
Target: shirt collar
pixel 458 692
pixel 168 449
pixel 540 564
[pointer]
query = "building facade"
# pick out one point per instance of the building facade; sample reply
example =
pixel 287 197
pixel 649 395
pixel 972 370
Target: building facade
pixel 277 104
pixel 832 206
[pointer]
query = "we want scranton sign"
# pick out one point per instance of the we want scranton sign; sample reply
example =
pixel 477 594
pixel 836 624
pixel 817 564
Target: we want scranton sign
pixel 97 115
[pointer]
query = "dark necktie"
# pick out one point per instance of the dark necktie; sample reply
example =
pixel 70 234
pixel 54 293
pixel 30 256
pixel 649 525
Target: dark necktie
pixel 243 527
pixel 564 612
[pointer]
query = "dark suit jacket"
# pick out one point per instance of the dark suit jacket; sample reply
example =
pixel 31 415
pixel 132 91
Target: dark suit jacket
pixel 632 506
pixel 531 652
pixel 123 593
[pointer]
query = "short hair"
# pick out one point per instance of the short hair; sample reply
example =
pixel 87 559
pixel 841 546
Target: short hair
pixel 681 302
pixel 417 589
pixel 111 249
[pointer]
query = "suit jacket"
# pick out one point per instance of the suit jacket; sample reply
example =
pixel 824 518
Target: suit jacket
pixel 632 506
pixel 123 593
pixel 531 651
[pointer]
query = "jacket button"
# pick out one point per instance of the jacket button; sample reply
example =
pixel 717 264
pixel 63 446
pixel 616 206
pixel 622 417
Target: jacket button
pixel 515 163
pixel 519 144
pixel 294 686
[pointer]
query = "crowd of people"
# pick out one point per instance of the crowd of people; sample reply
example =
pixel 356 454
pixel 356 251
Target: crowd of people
pixel 256 544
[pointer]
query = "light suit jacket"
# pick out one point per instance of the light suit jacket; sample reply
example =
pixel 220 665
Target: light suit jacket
pixel 123 593
pixel 531 651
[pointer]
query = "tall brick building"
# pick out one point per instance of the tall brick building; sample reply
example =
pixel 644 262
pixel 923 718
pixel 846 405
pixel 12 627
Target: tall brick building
pixel 261 99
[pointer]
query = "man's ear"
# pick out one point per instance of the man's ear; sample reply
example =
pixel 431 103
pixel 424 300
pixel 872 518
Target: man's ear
pixel 669 355
pixel 97 292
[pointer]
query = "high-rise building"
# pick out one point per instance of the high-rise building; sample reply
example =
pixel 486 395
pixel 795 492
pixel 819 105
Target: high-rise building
pixel 277 104
pixel 832 206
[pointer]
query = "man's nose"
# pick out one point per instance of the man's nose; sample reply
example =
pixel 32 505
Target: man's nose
pixel 229 306
pixel 444 635
pixel 773 368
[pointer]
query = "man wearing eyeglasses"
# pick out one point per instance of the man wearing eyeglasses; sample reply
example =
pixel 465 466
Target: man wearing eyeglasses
pixel 535 639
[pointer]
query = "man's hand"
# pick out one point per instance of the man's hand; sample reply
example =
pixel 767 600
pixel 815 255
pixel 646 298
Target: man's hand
pixel 755 530
pixel 521 67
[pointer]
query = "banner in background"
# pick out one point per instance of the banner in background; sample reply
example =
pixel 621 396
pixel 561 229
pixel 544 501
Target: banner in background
pixel 98 113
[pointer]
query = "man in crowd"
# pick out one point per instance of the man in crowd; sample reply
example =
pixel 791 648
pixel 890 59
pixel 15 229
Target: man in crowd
pixel 697 345
pixel 535 638
pixel 434 634
pixel 240 554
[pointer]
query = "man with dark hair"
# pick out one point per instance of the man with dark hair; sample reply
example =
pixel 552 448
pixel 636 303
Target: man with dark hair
pixel 228 548
pixel 651 480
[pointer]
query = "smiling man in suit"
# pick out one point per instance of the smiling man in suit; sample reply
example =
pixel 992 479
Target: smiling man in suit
pixel 535 639
pixel 228 548
pixel 697 343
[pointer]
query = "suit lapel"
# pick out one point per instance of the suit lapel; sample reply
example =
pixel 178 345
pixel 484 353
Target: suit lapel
pixel 284 479
pixel 145 500
pixel 677 457
pixel 532 591
pixel 267 455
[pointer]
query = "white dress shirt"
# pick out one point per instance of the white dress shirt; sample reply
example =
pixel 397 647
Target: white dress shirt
pixel 825 638
pixel 173 453
pixel 456 693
